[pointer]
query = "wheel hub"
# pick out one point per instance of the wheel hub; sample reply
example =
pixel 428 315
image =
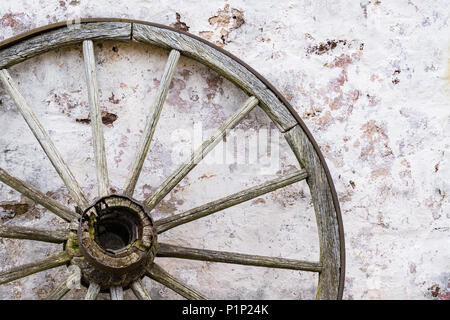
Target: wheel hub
pixel 117 239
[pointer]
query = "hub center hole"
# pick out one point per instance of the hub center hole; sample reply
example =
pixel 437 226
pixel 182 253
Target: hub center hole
pixel 115 231
pixel 113 235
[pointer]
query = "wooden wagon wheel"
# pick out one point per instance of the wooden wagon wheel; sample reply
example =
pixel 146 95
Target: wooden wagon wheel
pixel 111 243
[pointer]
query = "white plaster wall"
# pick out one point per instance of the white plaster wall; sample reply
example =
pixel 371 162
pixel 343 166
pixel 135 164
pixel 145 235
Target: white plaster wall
pixel 369 78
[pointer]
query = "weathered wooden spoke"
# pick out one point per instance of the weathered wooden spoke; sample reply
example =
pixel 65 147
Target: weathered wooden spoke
pixel 116 293
pixel 139 290
pixel 38 234
pixel 37 196
pixel 43 139
pixel 158 274
pixel 171 251
pixel 71 281
pixel 53 261
pixel 96 119
pixel 152 121
pixel 199 154
pixel 229 201
pixel 92 291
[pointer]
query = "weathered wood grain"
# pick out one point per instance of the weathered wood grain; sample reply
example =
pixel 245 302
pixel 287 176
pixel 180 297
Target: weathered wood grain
pixel 199 154
pixel 327 221
pixel 73 34
pixel 223 64
pixel 43 139
pixel 152 121
pixel 53 261
pixel 167 250
pixel 226 202
pixel 116 293
pixel 139 290
pixel 96 119
pixel 158 274
pixel 38 234
pixel 71 281
pixel 31 192
pixel 92 291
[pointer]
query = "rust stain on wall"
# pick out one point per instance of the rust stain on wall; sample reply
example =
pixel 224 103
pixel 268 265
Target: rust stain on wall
pixel 12 209
pixel 108 118
pixel 179 25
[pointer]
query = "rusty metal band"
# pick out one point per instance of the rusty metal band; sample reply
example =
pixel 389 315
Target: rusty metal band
pixel 15 39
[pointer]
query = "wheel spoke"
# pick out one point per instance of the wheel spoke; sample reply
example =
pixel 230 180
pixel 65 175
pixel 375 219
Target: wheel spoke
pixel 46 235
pixel 92 292
pixel 139 290
pixel 96 119
pixel 158 274
pixel 37 196
pixel 44 139
pixel 71 281
pixel 116 293
pixel 167 250
pixel 226 202
pixel 152 121
pixel 38 266
pixel 199 154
